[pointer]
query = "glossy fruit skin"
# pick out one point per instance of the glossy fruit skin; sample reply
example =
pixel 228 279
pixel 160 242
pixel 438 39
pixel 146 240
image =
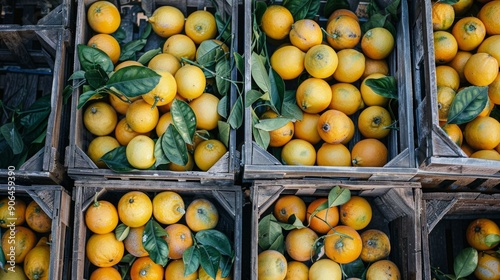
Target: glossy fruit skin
pixel 340 248
pixel 288 205
pixel 477 231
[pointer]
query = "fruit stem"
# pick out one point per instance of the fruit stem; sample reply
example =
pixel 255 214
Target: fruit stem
pixel 96 202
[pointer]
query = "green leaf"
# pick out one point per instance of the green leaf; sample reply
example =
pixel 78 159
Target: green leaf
pixel 272 124
pixel 261 137
pixel 86 96
pixel 277 88
pixel 216 239
pixel 2 256
pixel 467 104
pixel 223 70
pixel 385 86
pixel 338 196
pixel 209 260
pixel 147 31
pixel 208 53
pixel 191 259
pixel 354 269
pixel 133 80
pixel 116 160
pixel 240 62
pixel 289 108
pixel 128 259
pixel 96 78
pixel 174 146
pixel 120 34
pixel 451 2
pixel 237 113
pixel 465 262
pixel 154 243
pixel 224 27
pixel 224 132
pixel 160 156
pixel 268 231
pixel 13 137
pixel 376 20
pixel 147 56
pixel 332 5
pixel 492 239
pixel 278 244
pixel 184 120
pixel 259 73
pixel 293 223
pixel 80 74
pixel 90 57
pixel 129 50
pixel 392 8
pixel 226 263
pixel 121 232
pixel 301 9
pixel 251 96
pixel 37 114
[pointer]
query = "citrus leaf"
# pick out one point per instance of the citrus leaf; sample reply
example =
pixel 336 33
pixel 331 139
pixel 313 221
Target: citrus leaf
pixel 116 160
pixel 338 196
pixel 465 262
pixel 147 30
pixel 226 263
pixel 354 268
pixel 154 243
pixel 293 223
pixel 223 70
pixel 133 80
pixel 86 96
pixel 209 260
pixel 128 259
pixel 261 137
pixel 160 156
pixel 222 107
pixel 90 57
pixel 259 73
pixel 251 96
pixel 277 88
pixel 332 5
pixel 385 86
pixel 492 239
pixel 80 74
pixel 318 248
pixel 392 8
pixel 96 78
pixel 237 113
pixel 272 124
pixel 451 2
pixel 376 20
pixel 13 137
pixel 467 104
pixel 208 53
pixel 184 120
pixel 120 34
pixel 121 232
pixel 191 259
pixel 278 244
pixel 289 108
pixel 174 146
pixel 147 56
pixel 240 62
pixel 268 231
pixel 320 207
pixel 224 132
pixel 129 50
pixel 216 239
pixel 302 9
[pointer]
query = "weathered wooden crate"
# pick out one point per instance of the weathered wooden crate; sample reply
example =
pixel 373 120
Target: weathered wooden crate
pixel 228 200
pixel 396 211
pixel 436 154
pixel 445 217
pixel 33 64
pixel 56 203
pixel 79 165
pixel 29 14
pixel 261 164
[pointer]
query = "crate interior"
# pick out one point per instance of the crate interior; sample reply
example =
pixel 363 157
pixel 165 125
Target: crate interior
pixel 29 12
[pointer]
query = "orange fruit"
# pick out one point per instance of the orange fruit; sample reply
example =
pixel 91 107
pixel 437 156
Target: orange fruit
pixel 120 106
pixel 445 96
pixel 134 242
pixel 37 262
pixel 489 15
pixel 191 81
pixel 477 231
pixel 494 91
pixel 288 205
pixel 334 126
pixel 481 69
pixel 37 219
pixel 313 95
pixel 167 21
pixel 166 108
pixel 343 32
pixel 124 133
pixel 107 44
pixel 271 265
pixel 491 45
pixel 467 149
pixel 9 216
pixel 164 92
pixel 487 108
pixel 306 128
pixel 178 238
pixel 145 268
pixel 376 245
pixel 488 266
pixel 208 152
pixel 325 269
pixel 458 63
pixel 99 146
pixel 140 152
pixel 375 66
pixel 343 244
pixel 370 97
pixel 482 133
pixel 469 32
pixel 356 213
pixel 17 242
pixel 445 47
pixel 168 207
pixel 374 122
pixel 205 108
pixel 125 64
pixel 187 167
pixel 351 66
pixel 377 43
pixel 305 33
pixel 104 250
pixel 277 22
pixel 214 45
pixel 349 137
pixel 447 76
pixel 346 98
pixel 454 132
pixel 321 61
pixel 342 12
pixel 105 273
pixel 180 46
pixel 296 271
pixel 383 270
pixel 202 275
pixel 175 270
pixel 299 243
pixel 200 26
pixel 298 152
pixel 201 214
pixel 165 62
pixel 100 118
pixel 163 122
pixel 369 153
pixel 443 16
pixel 486 154
pixel 288 62
pixel 141 116
pixel 280 136
pixel 101 217
pixel 333 155
pixel 324 220
pixel 462 6
pixel 135 209
pixel 103 17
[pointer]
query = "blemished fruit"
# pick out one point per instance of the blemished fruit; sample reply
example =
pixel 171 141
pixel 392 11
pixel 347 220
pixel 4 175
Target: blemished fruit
pixel 13 273
pixel 488 266
pixel 297 271
pixel 377 43
pixel 346 98
pixel 167 21
pixel 208 152
pixel 298 152
pixel 334 126
pixel 277 22
pixel 343 32
pixel 376 245
pixel 168 207
pixel 477 231
pixel 201 214
pixel 325 269
pixel 489 15
pixel 99 146
pixel 369 153
pixel 469 32
pixel 140 152
pixel 288 62
pixel 443 16
pixel 321 61
pixel 339 247
pixel 383 270
pixel 356 213
pixel 101 217
pixel 135 208
pixel 305 33
pixel 178 238
pixel 271 265
pixel 145 268
pixel 104 250
pixel 374 122
pixel 289 205
pixel 351 66
pixel 22 240
pixel 105 273
pixel 9 216
pixel 134 242
pixel 37 262
pixel 445 47
pixel 324 220
pixel 100 118
pixel 481 69
pixel 103 17
pixel 491 45
pixel 445 96
pixel 299 243
pixel 37 219
pixel 342 12
pixel 200 26
pixel 313 95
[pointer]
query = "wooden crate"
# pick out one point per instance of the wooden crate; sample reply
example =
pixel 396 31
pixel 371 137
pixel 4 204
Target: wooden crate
pixel 437 155
pixel 260 164
pixel 396 211
pixel 228 200
pixel 29 14
pixel 56 203
pixel 34 63
pixel 445 217
pixel 80 166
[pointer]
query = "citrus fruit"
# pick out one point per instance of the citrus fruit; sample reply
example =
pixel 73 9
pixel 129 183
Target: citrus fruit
pixel 489 15
pixel 165 62
pixel 140 152
pixel 163 122
pixel 445 47
pixel 168 207
pixel 203 275
pixel 377 43
pixel 103 17
pixel 104 250
pixel 343 32
pixel 208 152
pixel 13 273
pixel 443 16
pixel 297 271
pixel 37 262
pixel 373 66
pixel 119 103
pixel 105 273
pixel 18 240
pixel 135 209
pixel 175 270
pixel 288 205
pixel 313 95
pixel 325 269
pixel 376 245
pixel 374 122
pixel 478 230
pixel 276 22
pixel 305 33
pixel 369 153
pixel 445 96
pixel 488 266
pixel 494 91
pixel 9 216
pixel 486 154
pixel 279 136
pixel 370 97
pixel 298 152
pixel 126 63
pixel 333 155
pixel 141 116
pixel 458 63
pixel 321 61
pixel 205 107
pixel 134 242
pixel 191 81
pixel 447 76
pixel 299 243
pixel 186 167
pixel 180 46
pixel 334 126
pixel 124 133
pixel 351 66
pixel 482 133
pixel 288 62
pixel 491 45
pixel 101 217
pixel 462 6
pixel 356 213
pixel 469 32
pixel 323 220
pixel 346 98
pixel 201 214
pixel 306 128
pixel 145 268
pixel 344 12
pixel 481 69
pixel 200 26
pixel 178 238
pixel 454 132
pixel 164 92
pixel 100 118
pixel 343 244
pixel 107 44
pixel 99 146
pixel 383 270
pixel 167 21
pixel 271 265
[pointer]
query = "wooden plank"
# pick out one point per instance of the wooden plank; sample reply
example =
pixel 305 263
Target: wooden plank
pixel 13 41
